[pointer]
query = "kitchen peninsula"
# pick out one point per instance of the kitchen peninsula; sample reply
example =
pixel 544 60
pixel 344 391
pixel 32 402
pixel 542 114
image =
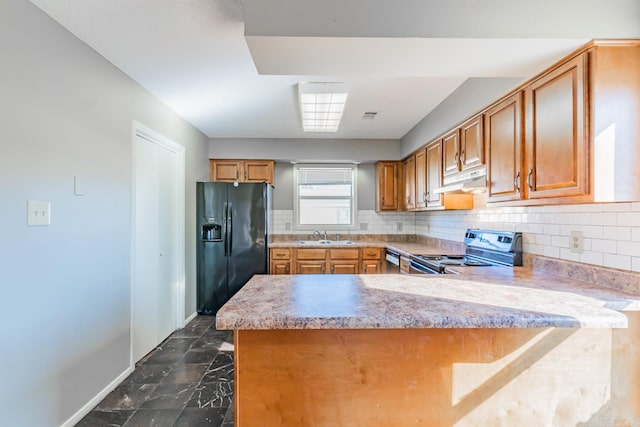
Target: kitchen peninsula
pixel 496 347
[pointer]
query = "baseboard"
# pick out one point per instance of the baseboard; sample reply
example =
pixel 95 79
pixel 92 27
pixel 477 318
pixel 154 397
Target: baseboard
pixel 75 418
pixel 190 318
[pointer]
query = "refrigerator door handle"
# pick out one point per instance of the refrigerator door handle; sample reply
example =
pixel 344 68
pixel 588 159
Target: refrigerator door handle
pixel 230 229
pixel 226 229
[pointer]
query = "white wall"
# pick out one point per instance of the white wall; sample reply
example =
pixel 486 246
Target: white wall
pixel 611 230
pixel 64 310
pixel 469 98
pixel 358 150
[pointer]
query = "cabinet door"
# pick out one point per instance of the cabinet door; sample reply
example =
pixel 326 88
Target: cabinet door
pixel 280 267
pixel 258 171
pixel 434 173
pixel 503 124
pixel 310 267
pixel 370 266
pixel 471 143
pixel 387 186
pixel 410 183
pixel 451 153
pixel 226 170
pixel 343 266
pixel 421 179
pixel 557 151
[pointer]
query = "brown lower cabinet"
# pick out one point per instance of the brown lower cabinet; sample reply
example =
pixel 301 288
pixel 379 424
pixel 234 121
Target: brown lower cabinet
pixel 280 261
pixel 311 261
pixel 371 261
pixel 325 261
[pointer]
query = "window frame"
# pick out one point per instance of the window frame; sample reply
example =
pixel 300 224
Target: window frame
pixel 353 198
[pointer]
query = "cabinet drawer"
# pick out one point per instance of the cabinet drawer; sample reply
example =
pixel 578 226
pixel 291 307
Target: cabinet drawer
pixel 352 253
pixel 371 253
pixel 280 253
pixel 311 253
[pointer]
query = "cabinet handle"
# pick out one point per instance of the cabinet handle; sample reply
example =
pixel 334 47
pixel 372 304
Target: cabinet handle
pixel 456 158
pixel 529 179
pixel 237 174
pixel 333 268
pixel 365 268
pixel 424 197
pixel 280 255
pixel 245 175
pixel 286 269
pixel 322 269
pixel 463 156
pixel 516 182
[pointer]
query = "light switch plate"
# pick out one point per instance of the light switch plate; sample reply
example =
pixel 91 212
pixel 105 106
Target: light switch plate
pixel 38 212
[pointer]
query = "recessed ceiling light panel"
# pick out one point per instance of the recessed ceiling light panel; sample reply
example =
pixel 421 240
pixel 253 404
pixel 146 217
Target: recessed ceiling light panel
pixel 321 105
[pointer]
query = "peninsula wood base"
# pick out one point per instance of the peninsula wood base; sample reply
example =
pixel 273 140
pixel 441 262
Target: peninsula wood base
pixel 438 377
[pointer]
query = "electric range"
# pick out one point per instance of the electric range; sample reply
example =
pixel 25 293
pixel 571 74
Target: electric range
pixel 483 248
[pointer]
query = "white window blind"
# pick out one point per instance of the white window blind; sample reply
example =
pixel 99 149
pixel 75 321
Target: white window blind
pixel 325 195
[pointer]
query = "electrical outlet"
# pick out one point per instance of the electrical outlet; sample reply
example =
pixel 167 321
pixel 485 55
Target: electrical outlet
pixel 287 226
pixel 364 226
pixel 398 226
pixel 38 213
pixel 577 242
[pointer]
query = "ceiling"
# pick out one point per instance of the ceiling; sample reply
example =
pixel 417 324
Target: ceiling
pixel 231 67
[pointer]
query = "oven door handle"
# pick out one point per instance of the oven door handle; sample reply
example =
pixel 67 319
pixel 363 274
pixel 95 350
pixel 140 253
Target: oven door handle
pixel 417 268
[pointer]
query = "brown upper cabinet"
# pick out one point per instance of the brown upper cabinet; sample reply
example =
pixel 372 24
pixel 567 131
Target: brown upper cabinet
pixel 421 179
pixel 471 143
pixel 434 173
pixel 557 152
pixel 503 137
pixel 463 147
pixel 451 153
pixel 242 170
pixel 387 185
pixel 409 166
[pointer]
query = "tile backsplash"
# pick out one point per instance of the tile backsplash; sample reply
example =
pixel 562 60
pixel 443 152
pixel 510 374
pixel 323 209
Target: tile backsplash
pixel 369 222
pixel 611 231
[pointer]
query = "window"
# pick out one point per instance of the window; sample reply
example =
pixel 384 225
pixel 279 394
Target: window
pixel 325 196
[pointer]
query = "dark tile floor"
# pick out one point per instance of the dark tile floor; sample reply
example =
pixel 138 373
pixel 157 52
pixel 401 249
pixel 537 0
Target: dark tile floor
pixel 186 381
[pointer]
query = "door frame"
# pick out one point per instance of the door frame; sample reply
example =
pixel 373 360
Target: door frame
pixel 138 129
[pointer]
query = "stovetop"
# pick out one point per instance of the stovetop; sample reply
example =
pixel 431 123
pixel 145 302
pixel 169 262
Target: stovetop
pixel 483 248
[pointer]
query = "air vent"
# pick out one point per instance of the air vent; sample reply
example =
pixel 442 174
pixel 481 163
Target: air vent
pixel 369 115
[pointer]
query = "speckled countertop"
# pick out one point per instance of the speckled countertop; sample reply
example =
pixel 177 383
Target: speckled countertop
pixel 488 297
pixel 493 297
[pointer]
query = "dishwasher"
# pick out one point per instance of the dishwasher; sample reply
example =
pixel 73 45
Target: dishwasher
pixel 392 264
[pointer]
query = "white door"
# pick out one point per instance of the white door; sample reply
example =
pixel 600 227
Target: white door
pixel 157 228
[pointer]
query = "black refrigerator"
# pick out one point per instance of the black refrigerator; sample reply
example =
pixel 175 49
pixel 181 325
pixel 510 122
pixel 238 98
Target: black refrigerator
pixel 232 239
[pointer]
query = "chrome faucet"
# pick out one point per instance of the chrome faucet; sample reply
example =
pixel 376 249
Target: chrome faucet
pixel 317 233
pixel 325 235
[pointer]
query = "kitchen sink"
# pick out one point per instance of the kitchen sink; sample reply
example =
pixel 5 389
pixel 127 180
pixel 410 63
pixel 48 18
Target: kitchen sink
pixel 325 242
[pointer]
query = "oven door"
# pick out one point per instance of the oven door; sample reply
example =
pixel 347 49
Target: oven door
pixel 417 268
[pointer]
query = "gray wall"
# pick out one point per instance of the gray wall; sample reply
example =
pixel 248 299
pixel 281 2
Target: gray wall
pixel 470 97
pixel 67 112
pixel 358 150
pixel 283 191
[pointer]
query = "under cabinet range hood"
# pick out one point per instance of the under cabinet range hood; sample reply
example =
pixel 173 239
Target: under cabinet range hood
pixel 471 182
